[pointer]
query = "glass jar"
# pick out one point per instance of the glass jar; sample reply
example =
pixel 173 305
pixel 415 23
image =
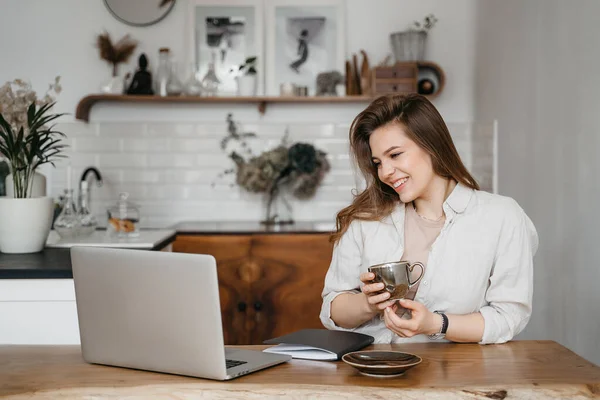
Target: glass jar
pixel 123 218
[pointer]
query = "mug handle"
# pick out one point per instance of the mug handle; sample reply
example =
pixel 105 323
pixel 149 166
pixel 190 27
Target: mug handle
pixel 409 269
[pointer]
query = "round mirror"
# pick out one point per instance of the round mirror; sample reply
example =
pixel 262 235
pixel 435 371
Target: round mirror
pixel 139 12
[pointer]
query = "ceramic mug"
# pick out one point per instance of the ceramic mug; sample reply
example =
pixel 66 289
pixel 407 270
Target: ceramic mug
pixel 395 277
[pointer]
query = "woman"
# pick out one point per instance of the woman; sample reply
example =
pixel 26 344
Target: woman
pixel 421 204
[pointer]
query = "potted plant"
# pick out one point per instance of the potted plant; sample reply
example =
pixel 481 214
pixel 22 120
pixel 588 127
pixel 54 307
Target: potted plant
pixel 27 141
pixel 247 78
pixel 409 45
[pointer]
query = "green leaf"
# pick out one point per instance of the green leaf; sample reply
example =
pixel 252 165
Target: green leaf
pixel 4 150
pixel 8 138
pixel 43 144
pixel 31 111
pixel 40 121
pixel 5 125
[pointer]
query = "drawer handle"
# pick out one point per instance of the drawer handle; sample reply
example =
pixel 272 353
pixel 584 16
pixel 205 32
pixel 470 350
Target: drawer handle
pixel 394 88
pixel 241 306
pixel 258 306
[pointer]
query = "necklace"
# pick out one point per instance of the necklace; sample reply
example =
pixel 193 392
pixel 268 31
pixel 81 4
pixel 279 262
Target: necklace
pixel 425 218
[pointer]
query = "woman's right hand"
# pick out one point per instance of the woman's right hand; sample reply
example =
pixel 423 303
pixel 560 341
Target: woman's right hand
pixel 376 300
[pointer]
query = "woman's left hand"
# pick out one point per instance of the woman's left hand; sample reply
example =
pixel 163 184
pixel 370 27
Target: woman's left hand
pixel 422 320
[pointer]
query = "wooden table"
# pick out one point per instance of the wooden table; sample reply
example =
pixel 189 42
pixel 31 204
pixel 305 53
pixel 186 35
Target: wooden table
pixel 517 370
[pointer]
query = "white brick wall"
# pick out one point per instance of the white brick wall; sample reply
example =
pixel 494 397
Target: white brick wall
pixel 168 167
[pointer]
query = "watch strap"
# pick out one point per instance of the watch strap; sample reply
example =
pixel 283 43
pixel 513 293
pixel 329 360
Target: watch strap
pixel 444 322
pixel 442 333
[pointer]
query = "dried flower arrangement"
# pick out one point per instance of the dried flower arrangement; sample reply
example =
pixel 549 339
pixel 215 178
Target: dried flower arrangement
pixel 298 168
pixel 26 139
pixel 116 53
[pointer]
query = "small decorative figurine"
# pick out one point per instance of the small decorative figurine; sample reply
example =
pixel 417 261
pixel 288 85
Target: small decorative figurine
pixel 142 80
pixel 327 81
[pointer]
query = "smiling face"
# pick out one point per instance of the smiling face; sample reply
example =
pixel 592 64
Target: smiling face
pixel 400 162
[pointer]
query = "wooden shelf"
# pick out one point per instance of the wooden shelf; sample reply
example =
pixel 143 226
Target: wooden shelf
pixel 85 104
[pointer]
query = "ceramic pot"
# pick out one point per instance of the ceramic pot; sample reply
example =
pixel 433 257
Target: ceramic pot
pixel 25 224
pixel 246 85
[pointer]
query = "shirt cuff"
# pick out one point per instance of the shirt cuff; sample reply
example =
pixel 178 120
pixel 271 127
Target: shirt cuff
pixel 495 330
pixel 326 310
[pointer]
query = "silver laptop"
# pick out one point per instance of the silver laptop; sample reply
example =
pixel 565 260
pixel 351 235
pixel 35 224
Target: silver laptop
pixel 156 311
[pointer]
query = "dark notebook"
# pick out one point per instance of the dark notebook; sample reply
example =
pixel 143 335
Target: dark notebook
pixel 318 344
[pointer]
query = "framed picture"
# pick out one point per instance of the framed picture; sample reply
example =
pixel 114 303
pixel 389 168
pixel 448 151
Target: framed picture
pixel 225 33
pixel 303 39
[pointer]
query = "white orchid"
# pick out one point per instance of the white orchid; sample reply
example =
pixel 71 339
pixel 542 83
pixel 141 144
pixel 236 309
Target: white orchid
pixel 16 97
pixel 26 140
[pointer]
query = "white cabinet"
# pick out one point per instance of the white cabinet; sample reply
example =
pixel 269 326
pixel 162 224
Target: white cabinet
pixel 43 311
pixel 38 311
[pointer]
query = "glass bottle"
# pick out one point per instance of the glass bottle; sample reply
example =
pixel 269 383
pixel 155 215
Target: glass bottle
pixel 123 218
pixel 174 86
pixel 163 72
pixel 87 221
pixel 211 82
pixel 67 223
pixel 193 85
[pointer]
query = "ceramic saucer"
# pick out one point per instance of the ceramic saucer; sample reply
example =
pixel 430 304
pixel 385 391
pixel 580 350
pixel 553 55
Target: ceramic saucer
pixel 381 363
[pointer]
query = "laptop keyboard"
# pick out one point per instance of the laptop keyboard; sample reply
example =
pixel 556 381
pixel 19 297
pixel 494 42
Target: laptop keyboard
pixel 234 363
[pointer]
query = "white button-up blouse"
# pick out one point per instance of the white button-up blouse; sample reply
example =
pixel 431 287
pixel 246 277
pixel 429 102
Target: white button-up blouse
pixel 482 261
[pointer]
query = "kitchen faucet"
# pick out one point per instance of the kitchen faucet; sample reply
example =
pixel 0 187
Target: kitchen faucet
pixel 84 186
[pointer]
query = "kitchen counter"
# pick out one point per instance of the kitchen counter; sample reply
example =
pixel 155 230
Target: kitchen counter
pixel 151 239
pixel 54 262
pixel 47 264
pixel 515 370
pixel 233 227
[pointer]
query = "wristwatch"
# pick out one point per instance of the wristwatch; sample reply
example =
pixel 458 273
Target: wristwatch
pixel 442 333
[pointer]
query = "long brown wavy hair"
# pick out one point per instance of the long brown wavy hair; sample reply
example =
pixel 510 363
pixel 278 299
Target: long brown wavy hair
pixel 424 125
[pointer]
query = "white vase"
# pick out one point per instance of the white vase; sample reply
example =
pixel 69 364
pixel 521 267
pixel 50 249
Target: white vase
pixel 246 85
pixel 38 188
pixel 25 224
